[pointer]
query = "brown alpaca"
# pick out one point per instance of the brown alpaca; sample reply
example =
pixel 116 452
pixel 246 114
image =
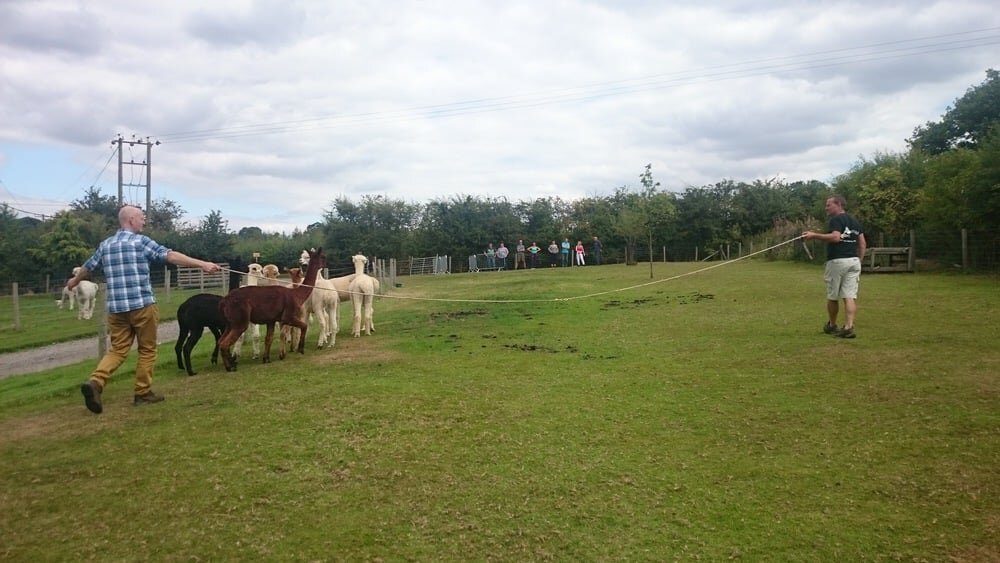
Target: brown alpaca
pixel 267 305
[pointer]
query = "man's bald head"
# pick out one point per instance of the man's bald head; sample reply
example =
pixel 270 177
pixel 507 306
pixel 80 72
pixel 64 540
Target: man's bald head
pixel 131 218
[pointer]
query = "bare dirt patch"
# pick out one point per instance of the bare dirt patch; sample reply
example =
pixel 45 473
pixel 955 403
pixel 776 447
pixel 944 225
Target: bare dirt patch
pixel 354 351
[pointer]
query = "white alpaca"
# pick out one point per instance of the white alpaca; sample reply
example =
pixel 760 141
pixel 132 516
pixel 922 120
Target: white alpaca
pixel 362 288
pixel 86 297
pixel 324 304
pixel 67 294
pixel 85 293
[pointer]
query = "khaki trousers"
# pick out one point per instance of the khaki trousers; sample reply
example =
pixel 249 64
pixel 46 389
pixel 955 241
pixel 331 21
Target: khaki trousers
pixel 139 326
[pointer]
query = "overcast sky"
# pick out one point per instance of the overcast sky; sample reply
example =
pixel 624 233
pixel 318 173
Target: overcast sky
pixel 269 110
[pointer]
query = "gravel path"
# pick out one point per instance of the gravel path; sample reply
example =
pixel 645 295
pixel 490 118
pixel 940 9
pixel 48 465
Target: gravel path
pixel 65 353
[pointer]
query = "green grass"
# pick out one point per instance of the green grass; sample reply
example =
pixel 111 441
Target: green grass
pixel 43 323
pixel 705 417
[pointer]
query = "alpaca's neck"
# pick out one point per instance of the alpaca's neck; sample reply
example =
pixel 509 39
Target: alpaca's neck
pixel 302 292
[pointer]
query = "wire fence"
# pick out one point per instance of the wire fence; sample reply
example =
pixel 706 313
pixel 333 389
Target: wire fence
pixel 934 250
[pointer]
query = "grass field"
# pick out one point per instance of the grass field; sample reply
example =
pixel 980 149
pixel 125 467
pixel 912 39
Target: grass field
pixel 702 418
pixel 43 323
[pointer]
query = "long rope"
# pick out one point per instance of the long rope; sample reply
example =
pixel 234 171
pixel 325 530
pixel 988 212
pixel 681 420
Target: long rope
pixel 573 298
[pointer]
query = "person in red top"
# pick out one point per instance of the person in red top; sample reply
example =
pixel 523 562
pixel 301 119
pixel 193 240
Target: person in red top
pixel 580 251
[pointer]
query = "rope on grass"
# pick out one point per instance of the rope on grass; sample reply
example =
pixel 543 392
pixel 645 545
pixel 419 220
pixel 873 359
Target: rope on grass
pixel 585 296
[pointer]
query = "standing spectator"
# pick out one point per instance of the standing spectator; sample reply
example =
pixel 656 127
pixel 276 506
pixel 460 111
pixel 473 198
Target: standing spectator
pixel 502 253
pixel 596 250
pixel 564 252
pixel 533 250
pixel 580 251
pixel 491 256
pixel 845 248
pixel 553 254
pixel 519 256
pixel 131 306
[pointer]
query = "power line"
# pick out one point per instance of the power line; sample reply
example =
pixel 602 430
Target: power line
pixel 792 63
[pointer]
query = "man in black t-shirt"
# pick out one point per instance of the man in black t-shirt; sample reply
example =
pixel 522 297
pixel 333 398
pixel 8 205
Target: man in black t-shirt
pixel 845 248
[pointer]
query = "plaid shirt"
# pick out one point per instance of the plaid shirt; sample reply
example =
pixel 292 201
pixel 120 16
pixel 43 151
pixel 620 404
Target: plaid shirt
pixel 124 257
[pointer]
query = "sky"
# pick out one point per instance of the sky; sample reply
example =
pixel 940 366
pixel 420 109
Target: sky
pixel 268 111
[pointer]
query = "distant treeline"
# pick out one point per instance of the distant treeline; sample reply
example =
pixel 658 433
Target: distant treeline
pixel 947 180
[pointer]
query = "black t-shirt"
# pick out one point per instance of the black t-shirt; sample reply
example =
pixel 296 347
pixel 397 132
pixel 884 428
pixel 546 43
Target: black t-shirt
pixel 849 230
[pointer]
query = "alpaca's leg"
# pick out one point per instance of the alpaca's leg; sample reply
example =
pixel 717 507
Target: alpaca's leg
pixel 189 345
pixel 217 332
pixel 182 334
pixel 356 325
pixel 369 311
pixel 266 358
pixel 282 329
pixel 320 315
pixel 255 340
pixel 302 326
pixel 334 321
pixel 232 334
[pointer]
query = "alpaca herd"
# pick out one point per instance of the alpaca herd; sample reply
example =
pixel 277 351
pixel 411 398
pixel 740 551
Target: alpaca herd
pixel 269 301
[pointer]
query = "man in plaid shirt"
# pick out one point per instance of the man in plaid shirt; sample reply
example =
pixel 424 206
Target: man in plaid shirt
pixel 132 311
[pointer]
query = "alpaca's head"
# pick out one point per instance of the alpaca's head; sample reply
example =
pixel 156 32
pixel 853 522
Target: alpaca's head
pixel 304 258
pixel 77 269
pixel 270 271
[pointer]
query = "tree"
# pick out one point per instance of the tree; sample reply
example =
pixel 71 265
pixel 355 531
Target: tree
pixel 962 189
pixel 61 247
pixel 163 215
pixel 210 240
pixel 377 226
pixel 881 192
pixel 250 232
pixel 964 124
pixel 14 233
pixel 644 215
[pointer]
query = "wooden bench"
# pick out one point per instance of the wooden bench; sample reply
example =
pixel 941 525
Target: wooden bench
pixel 476 259
pixel 888 259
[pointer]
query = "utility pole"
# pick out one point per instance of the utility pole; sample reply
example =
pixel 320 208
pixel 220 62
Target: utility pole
pixel 148 164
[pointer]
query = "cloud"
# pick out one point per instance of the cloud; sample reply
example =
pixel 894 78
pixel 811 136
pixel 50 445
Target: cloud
pixel 268 111
pixel 264 22
pixel 39 27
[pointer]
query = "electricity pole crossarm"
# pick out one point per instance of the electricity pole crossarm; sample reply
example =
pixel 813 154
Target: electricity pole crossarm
pixel 121 142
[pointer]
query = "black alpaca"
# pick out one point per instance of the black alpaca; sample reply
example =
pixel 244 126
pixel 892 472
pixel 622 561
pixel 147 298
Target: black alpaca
pixel 193 316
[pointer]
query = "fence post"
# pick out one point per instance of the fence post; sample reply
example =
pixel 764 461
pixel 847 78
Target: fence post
pixel 911 259
pixel 696 254
pixel 17 306
pixel 965 249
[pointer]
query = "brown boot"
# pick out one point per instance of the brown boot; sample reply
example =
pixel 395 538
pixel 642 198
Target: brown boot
pixel 146 399
pixel 92 396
